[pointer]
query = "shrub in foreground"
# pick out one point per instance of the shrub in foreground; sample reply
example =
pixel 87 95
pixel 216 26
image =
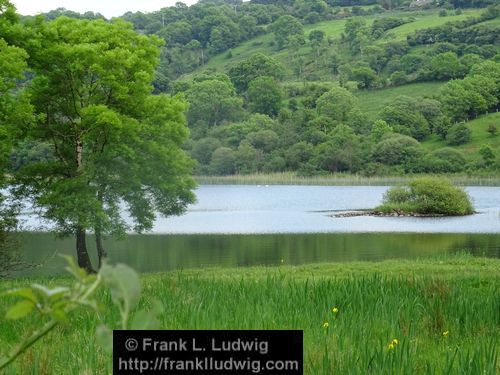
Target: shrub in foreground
pixel 427 196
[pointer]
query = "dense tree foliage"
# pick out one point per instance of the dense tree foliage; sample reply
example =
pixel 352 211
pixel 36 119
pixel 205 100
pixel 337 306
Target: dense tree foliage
pixel 403 115
pixel 264 96
pixel 213 101
pixel 112 143
pixel 255 66
pixel 287 30
pixel 14 104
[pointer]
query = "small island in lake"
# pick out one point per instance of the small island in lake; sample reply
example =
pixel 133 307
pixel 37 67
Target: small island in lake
pixel 422 197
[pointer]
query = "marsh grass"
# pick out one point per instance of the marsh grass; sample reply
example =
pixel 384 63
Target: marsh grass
pixel 443 312
pixel 338 179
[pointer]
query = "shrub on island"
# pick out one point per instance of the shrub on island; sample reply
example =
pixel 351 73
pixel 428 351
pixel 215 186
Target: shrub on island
pixel 427 196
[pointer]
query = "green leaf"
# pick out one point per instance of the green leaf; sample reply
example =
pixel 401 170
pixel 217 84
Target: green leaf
pixel 3 361
pixel 41 289
pixel 104 338
pixel 25 293
pixel 20 310
pixel 72 268
pixel 52 294
pixel 148 319
pixel 58 292
pixel 59 315
pixel 144 320
pixel 157 307
pixel 123 283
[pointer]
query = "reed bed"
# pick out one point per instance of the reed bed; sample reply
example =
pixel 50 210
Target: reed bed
pixel 338 179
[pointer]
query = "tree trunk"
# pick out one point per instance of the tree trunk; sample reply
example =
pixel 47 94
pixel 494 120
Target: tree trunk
pixel 81 244
pixel 101 252
pixel 81 251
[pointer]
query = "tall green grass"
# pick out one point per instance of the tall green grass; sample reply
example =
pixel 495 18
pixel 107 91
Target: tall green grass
pixel 444 313
pixel 338 179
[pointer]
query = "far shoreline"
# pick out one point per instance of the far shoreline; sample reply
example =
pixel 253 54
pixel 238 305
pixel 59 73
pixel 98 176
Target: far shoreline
pixel 339 179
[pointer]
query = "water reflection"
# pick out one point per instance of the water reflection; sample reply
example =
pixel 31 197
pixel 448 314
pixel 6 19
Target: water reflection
pixel 154 253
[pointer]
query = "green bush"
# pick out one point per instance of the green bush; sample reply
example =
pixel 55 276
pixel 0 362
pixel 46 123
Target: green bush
pixel 427 196
pixel 443 160
pixel 459 134
pixel 396 149
pixel 223 161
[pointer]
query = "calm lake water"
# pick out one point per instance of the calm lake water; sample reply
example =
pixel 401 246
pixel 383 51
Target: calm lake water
pixel 242 225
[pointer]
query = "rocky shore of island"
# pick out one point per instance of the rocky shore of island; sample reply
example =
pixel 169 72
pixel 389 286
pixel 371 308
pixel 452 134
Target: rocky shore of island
pixel 396 213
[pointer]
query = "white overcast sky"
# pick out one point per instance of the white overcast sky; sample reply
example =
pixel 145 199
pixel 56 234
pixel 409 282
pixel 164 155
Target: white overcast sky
pixel 108 8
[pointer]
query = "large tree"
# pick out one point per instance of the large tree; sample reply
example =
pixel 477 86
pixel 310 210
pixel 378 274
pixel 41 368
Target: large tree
pixel 405 116
pixel 14 105
pixel 337 104
pixel 213 101
pixel 265 96
pixel 115 146
pixel 285 28
pixel 255 66
pixel 341 153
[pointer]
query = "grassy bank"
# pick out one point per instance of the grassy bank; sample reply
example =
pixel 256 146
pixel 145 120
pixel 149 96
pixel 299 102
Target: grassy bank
pixel 337 179
pixel 442 311
pixel 479 137
pixel 374 101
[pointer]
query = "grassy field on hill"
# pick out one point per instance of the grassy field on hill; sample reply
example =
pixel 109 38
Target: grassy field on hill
pixel 373 101
pixel 333 29
pixel 480 136
pixel 439 314
pixel 425 20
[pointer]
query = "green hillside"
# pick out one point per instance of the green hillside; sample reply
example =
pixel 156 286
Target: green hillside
pixel 311 88
pixel 332 29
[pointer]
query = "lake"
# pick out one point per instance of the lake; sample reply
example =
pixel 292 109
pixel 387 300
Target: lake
pixel 247 225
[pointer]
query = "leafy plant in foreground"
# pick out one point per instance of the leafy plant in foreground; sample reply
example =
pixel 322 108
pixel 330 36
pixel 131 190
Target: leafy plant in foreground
pixel 60 302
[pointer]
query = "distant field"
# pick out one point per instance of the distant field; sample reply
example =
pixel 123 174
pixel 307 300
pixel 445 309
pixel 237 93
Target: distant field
pixel 373 101
pixel 480 136
pixel 426 20
pixel 493 22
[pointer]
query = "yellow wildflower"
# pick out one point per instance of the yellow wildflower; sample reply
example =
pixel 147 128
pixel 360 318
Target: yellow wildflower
pixel 335 310
pixel 390 346
pixel 326 325
pixel 445 333
pixel 395 341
